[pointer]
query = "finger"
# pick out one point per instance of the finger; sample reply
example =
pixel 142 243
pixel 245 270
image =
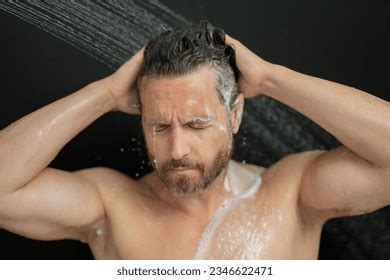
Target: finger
pixel 229 39
pixel 135 105
pixel 140 53
pixel 132 66
pixel 137 58
pixel 136 108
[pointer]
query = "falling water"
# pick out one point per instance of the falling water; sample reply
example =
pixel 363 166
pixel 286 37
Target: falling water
pixel 111 31
pixel 114 30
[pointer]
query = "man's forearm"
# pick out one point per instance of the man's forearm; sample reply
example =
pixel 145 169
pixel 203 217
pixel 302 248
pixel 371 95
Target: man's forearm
pixel 360 121
pixel 28 145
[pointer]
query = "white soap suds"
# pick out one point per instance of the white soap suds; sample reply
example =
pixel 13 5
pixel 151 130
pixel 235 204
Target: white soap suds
pixel 154 149
pixel 280 216
pixel 222 127
pixel 226 184
pixel 99 232
pixel 239 193
pixel 191 102
pixel 239 177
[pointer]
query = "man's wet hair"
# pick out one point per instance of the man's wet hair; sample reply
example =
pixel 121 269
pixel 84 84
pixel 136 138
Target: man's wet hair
pixel 179 52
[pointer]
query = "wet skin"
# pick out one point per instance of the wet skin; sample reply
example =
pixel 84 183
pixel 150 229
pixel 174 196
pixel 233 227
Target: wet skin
pixel 183 118
pixel 267 225
pixel 184 121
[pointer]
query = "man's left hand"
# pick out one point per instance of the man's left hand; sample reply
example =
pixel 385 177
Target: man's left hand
pixel 253 69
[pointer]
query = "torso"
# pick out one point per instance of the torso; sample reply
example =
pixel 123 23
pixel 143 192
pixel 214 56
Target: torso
pixel 265 225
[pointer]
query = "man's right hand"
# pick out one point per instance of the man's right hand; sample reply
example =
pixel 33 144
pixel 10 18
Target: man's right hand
pixel 122 85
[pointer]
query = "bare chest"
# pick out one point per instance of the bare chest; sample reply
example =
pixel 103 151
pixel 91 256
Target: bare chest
pixel 264 225
pixel 250 228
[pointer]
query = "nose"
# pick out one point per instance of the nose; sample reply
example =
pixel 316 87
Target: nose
pixel 179 144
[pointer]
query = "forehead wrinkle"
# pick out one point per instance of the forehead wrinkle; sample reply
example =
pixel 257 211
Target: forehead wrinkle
pixel 191 83
pixel 182 112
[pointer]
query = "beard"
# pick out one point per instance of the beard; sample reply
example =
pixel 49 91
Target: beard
pixel 192 183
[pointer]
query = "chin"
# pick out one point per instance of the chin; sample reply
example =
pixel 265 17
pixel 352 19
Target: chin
pixel 196 193
pixel 180 188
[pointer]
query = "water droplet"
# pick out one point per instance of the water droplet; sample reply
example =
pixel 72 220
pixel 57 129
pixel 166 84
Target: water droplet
pixel 99 231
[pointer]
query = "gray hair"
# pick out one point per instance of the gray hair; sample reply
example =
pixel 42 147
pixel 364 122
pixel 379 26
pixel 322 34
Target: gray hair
pixel 175 53
pixel 226 84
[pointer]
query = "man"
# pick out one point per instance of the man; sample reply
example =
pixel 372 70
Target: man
pixel 189 86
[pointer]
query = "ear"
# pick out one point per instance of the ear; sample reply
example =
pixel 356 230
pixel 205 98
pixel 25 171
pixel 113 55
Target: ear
pixel 236 112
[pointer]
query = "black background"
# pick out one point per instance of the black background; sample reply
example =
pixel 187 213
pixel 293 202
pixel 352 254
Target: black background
pixel 343 41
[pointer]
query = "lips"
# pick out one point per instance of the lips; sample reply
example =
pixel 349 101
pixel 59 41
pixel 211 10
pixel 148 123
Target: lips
pixel 180 169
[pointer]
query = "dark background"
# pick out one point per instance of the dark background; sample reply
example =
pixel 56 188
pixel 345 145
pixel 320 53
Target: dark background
pixel 347 42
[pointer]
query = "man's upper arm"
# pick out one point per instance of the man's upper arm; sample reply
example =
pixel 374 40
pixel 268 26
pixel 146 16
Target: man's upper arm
pixel 340 183
pixel 54 205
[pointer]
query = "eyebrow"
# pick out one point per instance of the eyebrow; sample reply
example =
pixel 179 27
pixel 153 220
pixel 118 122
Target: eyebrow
pixel 196 120
pixel 200 120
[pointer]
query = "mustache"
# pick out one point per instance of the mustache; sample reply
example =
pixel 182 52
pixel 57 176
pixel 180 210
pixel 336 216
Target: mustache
pixel 181 163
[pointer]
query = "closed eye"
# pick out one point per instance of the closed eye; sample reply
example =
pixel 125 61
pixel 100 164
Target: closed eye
pixel 198 125
pixel 160 127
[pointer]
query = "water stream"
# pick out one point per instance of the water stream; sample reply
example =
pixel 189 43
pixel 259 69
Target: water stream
pixel 111 31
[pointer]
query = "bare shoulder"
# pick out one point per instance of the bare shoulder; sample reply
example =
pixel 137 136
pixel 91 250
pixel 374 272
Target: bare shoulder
pixel 297 162
pixel 102 176
pixel 286 174
pixel 292 163
pixel 285 177
pixel 113 185
pixel 116 189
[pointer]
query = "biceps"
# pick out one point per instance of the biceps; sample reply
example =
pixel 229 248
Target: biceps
pixel 340 183
pixel 55 205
